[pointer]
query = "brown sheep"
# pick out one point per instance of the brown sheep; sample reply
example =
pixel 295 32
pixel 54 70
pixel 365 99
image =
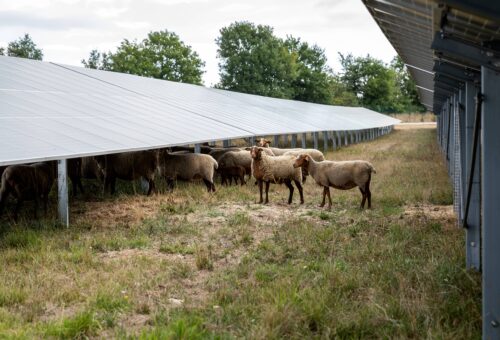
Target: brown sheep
pixel 26 183
pixel 86 167
pixel 230 173
pixel 278 169
pixel 187 167
pixel 129 166
pixel 339 175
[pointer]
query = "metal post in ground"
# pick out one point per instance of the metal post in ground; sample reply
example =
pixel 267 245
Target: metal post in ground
pixel 490 163
pixel 62 192
pixel 294 140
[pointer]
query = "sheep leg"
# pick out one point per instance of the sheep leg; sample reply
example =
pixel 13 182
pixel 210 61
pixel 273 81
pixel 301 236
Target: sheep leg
pixel 242 179
pixel 301 191
pixel 368 194
pixel 259 182
pixel 267 192
pixel 213 186
pixel 208 184
pixel 4 193
pixel 170 184
pixel 289 185
pixel 19 203
pixel 363 192
pixel 324 197
pixel 329 198
pixel 152 188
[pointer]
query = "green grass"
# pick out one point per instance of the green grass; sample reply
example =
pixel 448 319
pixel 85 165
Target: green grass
pixel 244 270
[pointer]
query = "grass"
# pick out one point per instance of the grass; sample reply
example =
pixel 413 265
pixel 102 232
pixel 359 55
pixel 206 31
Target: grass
pixel 239 269
pixel 415 117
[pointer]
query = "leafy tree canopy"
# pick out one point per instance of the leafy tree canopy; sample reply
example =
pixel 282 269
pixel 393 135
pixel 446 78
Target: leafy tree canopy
pixel 24 47
pixel 161 55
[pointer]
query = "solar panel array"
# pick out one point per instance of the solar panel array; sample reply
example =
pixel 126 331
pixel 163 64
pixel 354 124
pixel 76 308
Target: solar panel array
pixel 51 111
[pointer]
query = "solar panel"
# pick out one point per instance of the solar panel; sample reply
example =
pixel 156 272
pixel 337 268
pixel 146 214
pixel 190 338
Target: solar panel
pixel 51 111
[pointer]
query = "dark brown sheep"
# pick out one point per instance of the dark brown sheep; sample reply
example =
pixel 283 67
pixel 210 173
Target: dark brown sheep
pixel 129 166
pixel 86 167
pixel 227 174
pixel 27 183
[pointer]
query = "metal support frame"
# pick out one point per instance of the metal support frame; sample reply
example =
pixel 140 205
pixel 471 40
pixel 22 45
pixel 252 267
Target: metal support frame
pixel 345 138
pixel 252 140
pixel 276 140
pixel 490 163
pixel 333 136
pixel 294 140
pixel 62 192
pixel 473 219
pixel 304 140
pixel 225 143
pixel 315 139
pixel 325 141
pixel 471 53
pixel 197 148
pixel 285 140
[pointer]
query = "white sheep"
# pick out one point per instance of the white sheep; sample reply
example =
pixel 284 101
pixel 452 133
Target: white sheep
pixel 277 169
pixel 339 175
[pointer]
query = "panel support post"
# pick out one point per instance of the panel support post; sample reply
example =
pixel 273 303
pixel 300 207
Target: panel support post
pixel 62 192
pixel 197 148
pixel 334 139
pixel 315 139
pixel 276 140
pixel 304 140
pixel 345 138
pixel 490 163
pixel 285 140
pixel 294 140
pixel 212 143
pixel 325 141
pixel 225 143
pixel 252 140
pixel 473 223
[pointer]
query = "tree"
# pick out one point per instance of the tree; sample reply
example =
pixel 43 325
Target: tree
pixel 340 94
pixel 161 55
pixel 407 95
pixel 371 81
pixel 311 83
pixel 253 60
pixel 97 60
pixel 24 47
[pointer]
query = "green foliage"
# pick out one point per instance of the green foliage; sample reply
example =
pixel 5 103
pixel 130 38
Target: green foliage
pixel 24 47
pixel 161 55
pixel 255 61
pixel 312 79
pixel 381 87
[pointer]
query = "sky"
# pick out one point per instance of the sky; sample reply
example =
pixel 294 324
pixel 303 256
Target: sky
pixel 67 30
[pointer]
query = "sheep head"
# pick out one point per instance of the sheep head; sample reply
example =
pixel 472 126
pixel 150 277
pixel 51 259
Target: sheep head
pixel 264 143
pixel 302 161
pixel 256 152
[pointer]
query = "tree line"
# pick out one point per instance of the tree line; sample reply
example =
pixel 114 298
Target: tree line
pixel 252 59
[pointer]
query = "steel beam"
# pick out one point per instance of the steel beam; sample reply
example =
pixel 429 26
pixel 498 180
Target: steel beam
pixel 473 223
pixel 62 192
pixel 304 140
pixel 485 8
pixel 197 148
pixel 225 143
pixel 490 163
pixel 450 46
pixel 454 71
pixel 276 140
pixel 325 141
pixel 315 140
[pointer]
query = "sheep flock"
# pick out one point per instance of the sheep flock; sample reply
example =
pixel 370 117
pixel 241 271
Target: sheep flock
pixel 267 165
